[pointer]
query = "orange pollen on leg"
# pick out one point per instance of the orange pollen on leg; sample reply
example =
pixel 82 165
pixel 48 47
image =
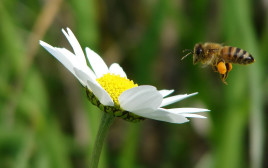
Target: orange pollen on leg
pixel 221 68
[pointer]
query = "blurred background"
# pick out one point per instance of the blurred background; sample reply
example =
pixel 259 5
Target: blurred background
pixel 46 120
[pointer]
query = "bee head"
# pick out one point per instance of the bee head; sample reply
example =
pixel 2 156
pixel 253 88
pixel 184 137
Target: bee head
pixel 198 53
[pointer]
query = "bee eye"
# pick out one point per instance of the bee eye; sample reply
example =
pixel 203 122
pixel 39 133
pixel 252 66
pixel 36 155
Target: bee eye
pixel 199 51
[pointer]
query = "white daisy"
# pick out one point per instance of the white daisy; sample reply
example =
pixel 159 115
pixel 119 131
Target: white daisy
pixel 111 90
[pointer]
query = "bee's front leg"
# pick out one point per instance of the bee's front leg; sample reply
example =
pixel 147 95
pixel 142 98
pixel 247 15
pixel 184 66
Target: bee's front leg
pixel 214 67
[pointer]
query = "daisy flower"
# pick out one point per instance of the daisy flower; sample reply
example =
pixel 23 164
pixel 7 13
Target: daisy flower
pixel 111 90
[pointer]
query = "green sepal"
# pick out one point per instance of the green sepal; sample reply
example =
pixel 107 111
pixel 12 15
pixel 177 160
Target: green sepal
pixel 116 111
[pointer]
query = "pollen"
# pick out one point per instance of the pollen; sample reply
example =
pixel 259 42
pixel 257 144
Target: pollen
pixel 115 85
pixel 221 68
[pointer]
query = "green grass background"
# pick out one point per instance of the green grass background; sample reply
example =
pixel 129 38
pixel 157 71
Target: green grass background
pixel 47 122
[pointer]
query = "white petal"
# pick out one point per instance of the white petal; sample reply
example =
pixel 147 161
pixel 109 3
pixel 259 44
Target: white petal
pixel 80 65
pixel 165 93
pixel 193 115
pixel 117 70
pixel 73 59
pixel 101 94
pixel 188 110
pixel 66 58
pixel 162 115
pixel 141 97
pixel 176 98
pixel 97 63
pixel 83 76
pixel 95 87
pixel 76 63
pixel 75 45
pixel 66 61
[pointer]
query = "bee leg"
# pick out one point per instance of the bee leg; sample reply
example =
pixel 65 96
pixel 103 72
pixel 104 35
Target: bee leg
pixel 223 70
pixel 223 77
pixel 228 67
pixel 214 68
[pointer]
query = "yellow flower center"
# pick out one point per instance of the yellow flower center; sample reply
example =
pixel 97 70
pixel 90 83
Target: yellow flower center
pixel 115 85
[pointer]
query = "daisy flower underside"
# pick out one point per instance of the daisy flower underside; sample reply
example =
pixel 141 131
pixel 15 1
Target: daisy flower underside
pixel 111 91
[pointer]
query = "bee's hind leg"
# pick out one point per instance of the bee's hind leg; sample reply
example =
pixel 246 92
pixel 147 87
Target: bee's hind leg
pixel 228 66
pixel 223 69
pixel 225 75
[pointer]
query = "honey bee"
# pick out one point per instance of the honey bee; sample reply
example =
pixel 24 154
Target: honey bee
pixel 220 57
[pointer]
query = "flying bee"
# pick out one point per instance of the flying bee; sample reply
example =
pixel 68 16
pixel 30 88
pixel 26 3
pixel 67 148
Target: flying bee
pixel 220 57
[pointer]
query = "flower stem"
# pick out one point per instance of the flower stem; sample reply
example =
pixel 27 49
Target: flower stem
pixel 106 122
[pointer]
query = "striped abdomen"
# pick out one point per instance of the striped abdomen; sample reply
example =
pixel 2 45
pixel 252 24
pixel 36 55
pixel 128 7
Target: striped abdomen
pixel 236 55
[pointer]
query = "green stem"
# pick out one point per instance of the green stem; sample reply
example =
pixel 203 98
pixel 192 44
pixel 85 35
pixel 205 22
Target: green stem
pixel 106 122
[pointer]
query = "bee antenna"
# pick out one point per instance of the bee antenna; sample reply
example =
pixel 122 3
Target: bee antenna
pixel 187 50
pixel 189 53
